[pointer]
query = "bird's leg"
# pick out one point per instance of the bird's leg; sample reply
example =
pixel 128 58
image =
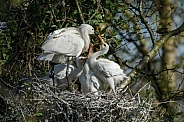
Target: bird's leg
pixel 52 73
pixel 67 68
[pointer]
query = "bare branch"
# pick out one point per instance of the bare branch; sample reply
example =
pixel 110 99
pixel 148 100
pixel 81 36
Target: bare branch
pixel 96 11
pixel 145 22
pixel 79 10
pixel 153 52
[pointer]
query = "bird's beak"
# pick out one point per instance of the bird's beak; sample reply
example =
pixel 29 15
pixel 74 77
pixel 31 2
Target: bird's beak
pixel 90 52
pixel 95 33
pixel 84 59
pixel 99 37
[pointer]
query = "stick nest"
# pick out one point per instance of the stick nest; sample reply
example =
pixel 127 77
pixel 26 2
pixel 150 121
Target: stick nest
pixel 39 102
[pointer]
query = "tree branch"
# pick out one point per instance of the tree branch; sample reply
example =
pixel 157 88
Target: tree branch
pixel 96 11
pixel 145 22
pixel 79 10
pixel 152 53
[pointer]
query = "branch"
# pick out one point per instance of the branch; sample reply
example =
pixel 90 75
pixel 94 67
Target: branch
pixel 145 22
pixel 79 10
pixel 153 52
pixel 96 11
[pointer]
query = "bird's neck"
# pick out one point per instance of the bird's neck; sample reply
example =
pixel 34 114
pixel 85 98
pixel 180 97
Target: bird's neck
pixel 79 69
pixel 86 39
pixel 86 68
pixel 94 56
pixel 76 72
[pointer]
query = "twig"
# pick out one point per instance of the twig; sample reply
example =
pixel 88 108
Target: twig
pixel 144 21
pixel 142 88
pixel 79 10
pixel 61 109
pixel 22 114
pixel 98 6
pixel 153 51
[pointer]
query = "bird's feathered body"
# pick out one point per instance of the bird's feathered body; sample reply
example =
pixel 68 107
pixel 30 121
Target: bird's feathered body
pixel 66 42
pixel 89 81
pixel 60 74
pixel 108 71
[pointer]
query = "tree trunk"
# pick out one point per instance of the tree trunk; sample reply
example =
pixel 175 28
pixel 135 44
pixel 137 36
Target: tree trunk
pixel 167 84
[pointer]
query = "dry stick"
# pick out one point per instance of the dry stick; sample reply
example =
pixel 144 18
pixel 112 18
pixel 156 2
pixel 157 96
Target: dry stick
pixel 153 52
pixel 66 117
pixel 79 10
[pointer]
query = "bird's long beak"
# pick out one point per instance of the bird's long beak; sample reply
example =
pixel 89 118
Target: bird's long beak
pixel 99 37
pixel 96 33
pixel 90 50
pixel 84 59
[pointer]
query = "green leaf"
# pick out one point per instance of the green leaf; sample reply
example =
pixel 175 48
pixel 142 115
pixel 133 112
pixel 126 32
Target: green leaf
pixel 53 26
pixel 48 12
pixel 38 114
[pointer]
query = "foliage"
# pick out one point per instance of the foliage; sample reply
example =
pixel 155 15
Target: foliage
pixel 29 23
pixel 134 31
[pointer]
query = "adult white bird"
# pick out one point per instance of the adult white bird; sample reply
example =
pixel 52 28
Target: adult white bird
pixel 64 43
pixel 60 73
pixel 106 70
pixel 90 83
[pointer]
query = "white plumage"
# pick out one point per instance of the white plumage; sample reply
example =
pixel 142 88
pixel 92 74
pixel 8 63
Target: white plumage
pixel 60 74
pixel 66 42
pixel 108 71
pixel 89 81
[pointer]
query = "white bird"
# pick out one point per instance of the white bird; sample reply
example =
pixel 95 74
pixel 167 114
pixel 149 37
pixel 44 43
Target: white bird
pixel 90 83
pixel 60 73
pixel 66 42
pixel 108 71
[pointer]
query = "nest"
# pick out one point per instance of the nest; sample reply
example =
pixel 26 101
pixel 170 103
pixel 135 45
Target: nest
pixel 40 102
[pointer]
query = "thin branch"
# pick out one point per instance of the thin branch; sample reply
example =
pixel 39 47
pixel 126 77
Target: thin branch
pixel 172 69
pixel 153 52
pixel 96 11
pixel 145 22
pixel 79 10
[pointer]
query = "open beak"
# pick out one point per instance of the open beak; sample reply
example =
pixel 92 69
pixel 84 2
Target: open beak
pixel 99 37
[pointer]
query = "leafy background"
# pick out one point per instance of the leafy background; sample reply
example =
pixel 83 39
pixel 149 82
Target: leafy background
pixel 130 28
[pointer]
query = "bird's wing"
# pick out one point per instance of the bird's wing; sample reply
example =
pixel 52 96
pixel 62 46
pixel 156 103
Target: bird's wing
pixel 109 68
pixel 45 56
pixel 95 80
pixel 60 70
pixel 61 32
pixel 68 44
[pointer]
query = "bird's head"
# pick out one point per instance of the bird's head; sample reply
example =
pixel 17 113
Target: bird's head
pixel 81 60
pixel 105 47
pixel 86 28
